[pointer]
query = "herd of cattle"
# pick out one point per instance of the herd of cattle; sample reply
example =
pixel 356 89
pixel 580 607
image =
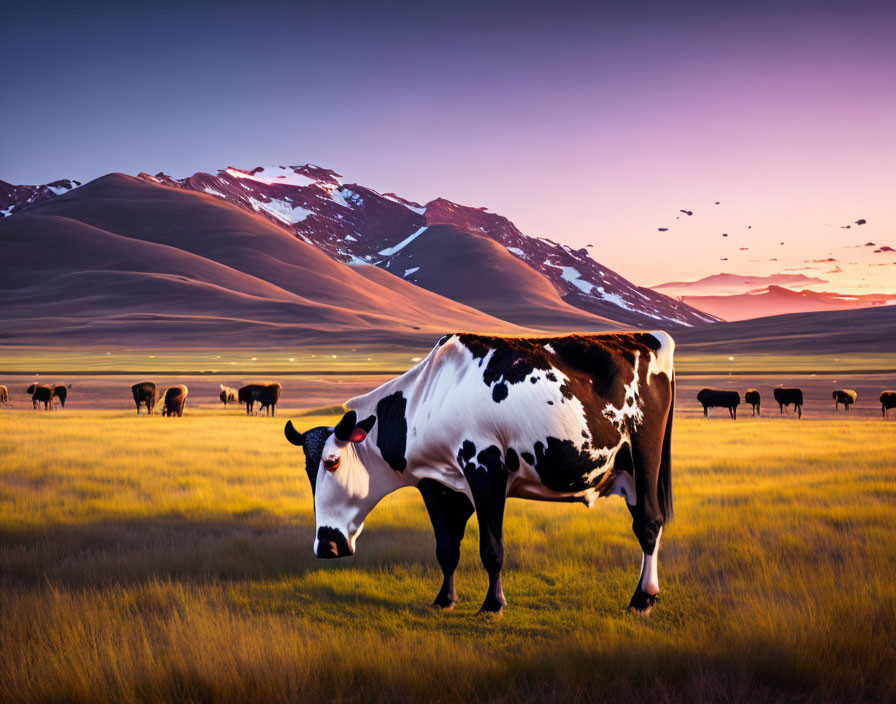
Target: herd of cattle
pixel 146 394
pixel 725 398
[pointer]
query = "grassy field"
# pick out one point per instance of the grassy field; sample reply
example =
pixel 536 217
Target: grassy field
pixel 151 559
pixel 367 358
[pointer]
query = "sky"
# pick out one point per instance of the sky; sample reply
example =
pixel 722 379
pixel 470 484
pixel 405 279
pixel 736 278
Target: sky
pixel 587 123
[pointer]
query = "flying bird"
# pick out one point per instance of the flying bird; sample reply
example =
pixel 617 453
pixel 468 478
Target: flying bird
pixel 724 234
pixel 663 229
pixel 744 249
pixel 717 202
pixel 686 212
pixel 861 221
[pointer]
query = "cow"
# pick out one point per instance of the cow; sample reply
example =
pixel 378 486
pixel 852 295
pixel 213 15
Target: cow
pixel 845 396
pixel 175 400
pixel 752 397
pixel 4 394
pixel 786 397
pixel 887 401
pixel 145 394
pixel 227 395
pixel 719 398
pixel 45 393
pixel 267 395
pixel 485 418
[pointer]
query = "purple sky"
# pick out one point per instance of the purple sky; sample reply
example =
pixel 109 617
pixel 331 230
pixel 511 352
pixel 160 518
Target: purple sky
pixel 582 123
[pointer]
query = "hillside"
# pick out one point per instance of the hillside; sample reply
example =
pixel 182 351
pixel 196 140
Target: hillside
pixel 121 260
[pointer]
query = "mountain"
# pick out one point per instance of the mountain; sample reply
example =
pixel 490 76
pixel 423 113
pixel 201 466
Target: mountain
pixel 775 300
pixel 14 198
pixel 122 260
pixel 869 330
pixel 356 224
pixel 480 273
pixel 734 284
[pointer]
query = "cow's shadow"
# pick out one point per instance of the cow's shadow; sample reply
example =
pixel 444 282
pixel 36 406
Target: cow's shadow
pixel 171 548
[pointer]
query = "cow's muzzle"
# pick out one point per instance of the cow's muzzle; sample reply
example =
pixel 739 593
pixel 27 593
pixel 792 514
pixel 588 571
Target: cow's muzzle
pixel 331 543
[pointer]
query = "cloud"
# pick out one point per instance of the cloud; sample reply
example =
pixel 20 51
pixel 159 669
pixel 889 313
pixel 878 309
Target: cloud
pixel 820 261
pixel 835 270
pixel 885 248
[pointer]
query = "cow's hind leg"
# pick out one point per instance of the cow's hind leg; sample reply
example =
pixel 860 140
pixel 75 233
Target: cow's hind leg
pixel 487 477
pixel 449 512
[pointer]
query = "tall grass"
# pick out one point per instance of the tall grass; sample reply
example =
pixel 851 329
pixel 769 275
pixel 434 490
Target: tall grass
pixel 150 559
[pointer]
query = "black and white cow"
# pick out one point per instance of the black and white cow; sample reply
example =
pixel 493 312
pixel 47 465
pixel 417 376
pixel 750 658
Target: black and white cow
pixel 485 418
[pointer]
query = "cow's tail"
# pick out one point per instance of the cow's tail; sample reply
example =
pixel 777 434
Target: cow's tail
pixel 664 481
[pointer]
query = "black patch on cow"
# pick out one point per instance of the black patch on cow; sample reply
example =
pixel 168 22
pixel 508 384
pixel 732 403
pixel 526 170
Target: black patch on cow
pixel 550 376
pixel 490 458
pixel 392 438
pixel 550 403
pixel 511 362
pixel 511 459
pixel 499 392
pixel 313 444
pixel 468 449
pixel 528 457
pixel 534 379
pixel 562 466
pixel 444 338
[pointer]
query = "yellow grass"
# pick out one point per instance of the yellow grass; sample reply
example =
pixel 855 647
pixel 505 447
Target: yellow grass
pixel 151 559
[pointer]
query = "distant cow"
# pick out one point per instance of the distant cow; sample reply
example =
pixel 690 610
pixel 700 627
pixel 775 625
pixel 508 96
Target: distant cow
pixel 4 394
pixel 719 398
pixel 228 395
pixel 145 394
pixel 267 395
pixel 786 397
pixel 45 393
pixel 175 400
pixel 752 397
pixel 887 401
pixel 845 396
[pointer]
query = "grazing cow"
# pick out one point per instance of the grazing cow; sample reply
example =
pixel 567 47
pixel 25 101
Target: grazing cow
pixel 266 394
pixel 45 393
pixel 786 397
pixel 719 398
pixel 485 418
pixel 145 394
pixel 752 397
pixel 175 400
pixel 4 394
pixel 887 401
pixel 228 395
pixel 845 396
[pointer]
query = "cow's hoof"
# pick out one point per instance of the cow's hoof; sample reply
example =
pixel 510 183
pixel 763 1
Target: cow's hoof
pixel 642 602
pixel 444 604
pixel 491 607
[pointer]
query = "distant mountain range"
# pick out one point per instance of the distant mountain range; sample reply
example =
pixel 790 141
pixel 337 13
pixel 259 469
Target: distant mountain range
pixel 734 284
pixel 733 297
pixel 289 252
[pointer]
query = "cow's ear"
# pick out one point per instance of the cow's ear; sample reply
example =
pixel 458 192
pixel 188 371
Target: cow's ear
pixel 345 427
pixel 361 429
pixel 367 424
pixel 293 435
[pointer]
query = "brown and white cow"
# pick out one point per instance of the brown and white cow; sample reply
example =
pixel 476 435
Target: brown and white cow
pixel 266 394
pixel 175 400
pixel 845 396
pixel 228 395
pixel 485 418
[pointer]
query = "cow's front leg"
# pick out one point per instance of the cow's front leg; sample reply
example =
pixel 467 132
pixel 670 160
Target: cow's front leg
pixel 488 483
pixel 648 533
pixel 449 512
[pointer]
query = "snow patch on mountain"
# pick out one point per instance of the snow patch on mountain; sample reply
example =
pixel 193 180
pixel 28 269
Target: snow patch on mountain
pixel 389 251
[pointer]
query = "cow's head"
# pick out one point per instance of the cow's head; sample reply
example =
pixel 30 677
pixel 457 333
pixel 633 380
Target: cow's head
pixel 340 483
